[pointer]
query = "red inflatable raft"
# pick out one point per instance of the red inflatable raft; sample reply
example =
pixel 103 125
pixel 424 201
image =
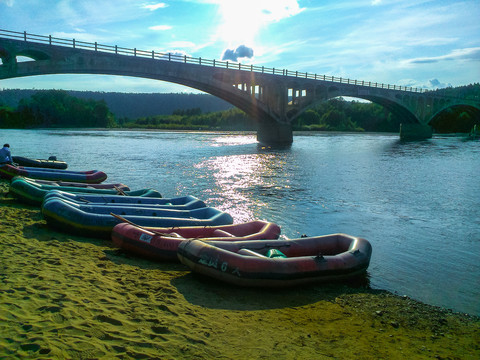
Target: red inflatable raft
pixel 162 243
pixel 278 263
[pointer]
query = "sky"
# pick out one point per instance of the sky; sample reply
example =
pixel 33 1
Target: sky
pixel 420 43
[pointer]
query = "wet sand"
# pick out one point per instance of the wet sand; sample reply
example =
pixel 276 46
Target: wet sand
pixel 80 298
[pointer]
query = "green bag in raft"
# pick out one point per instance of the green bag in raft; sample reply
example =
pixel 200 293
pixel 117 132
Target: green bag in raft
pixel 274 253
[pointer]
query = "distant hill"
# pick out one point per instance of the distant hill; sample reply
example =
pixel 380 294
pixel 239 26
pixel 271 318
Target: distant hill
pixel 132 105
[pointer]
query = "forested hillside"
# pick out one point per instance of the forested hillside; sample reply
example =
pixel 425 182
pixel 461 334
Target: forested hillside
pixel 56 109
pixel 131 105
pixel 59 108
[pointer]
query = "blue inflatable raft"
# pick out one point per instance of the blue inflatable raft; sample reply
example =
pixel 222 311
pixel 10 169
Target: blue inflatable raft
pixel 97 221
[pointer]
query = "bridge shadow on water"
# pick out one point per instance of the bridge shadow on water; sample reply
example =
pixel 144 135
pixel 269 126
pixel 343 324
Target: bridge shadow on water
pixel 420 148
pixel 400 148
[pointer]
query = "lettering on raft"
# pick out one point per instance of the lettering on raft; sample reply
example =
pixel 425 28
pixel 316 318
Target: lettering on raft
pixel 145 237
pixel 213 263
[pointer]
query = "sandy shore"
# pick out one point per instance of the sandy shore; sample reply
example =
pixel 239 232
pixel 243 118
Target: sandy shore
pixel 80 298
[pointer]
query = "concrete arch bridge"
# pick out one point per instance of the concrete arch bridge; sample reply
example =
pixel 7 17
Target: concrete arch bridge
pixel 274 97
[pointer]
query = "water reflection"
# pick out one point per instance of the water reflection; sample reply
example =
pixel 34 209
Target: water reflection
pixel 399 148
pixel 234 140
pixel 237 175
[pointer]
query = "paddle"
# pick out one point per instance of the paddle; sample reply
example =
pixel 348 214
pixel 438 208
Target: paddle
pixel 120 191
pixel 144 228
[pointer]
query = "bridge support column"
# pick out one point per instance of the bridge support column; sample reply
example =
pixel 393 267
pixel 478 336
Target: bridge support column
pixel 415 131
pixel 274 133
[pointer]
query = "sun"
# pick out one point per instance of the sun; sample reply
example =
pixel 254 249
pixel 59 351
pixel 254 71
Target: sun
pixel 243 20
pixel 240 22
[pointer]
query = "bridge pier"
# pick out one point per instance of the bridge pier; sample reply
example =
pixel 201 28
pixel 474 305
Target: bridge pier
pixel 415 131
pixel 274 133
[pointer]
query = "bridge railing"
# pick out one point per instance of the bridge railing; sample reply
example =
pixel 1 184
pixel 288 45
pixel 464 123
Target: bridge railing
pixel 72 43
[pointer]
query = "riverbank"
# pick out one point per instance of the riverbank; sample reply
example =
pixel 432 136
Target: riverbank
pixel 74 297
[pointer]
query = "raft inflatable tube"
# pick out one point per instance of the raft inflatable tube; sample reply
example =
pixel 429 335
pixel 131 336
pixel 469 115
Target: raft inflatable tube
pixel 97 221
pixel 34 194
pixel 120 186
pixel 161 244
pixel 278 263
pixel 91 176
pixel 179 203
pixel 51 163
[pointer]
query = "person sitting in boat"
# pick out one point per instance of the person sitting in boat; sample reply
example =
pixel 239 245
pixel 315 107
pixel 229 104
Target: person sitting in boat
pixel 5 155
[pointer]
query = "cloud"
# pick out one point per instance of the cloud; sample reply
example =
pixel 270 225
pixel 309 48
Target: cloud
pixel 182 44
pixel 88 14
pixel 376 2
pixel 80 36
pixel 436 84
pixel 240 52
pixel 153 7
pixel 160 27
pixel 456 54
pixel 175 55
pixel 9 3
pixel 431 84
pixel 431 41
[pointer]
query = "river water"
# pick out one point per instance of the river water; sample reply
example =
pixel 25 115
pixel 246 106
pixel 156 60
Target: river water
pixel 418 203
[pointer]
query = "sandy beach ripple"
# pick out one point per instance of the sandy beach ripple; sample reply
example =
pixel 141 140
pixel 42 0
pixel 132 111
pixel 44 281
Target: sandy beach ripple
pixel 72 297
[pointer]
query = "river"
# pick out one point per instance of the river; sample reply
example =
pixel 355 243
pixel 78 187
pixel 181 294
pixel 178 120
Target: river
pixel 418 203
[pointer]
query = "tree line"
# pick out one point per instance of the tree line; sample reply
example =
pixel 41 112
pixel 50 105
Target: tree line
pixel 131 105
pixel 56 109
pixel 59 109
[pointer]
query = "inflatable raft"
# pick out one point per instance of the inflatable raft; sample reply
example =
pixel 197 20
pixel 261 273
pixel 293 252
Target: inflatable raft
pixel 179 203
pixel 278 263
pixel 34 193
pixel 120 186
pixel 91 176
pixel 96 220
pixel 162 243
pixel 51 163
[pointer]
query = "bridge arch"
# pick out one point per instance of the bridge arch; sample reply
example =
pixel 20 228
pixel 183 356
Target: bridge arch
pixel 5 56
pixel 33 54
pixel 394 107
pixel 470 109
pixel 44 63
pixel 238 98
pixel 326 94
pixel 466 117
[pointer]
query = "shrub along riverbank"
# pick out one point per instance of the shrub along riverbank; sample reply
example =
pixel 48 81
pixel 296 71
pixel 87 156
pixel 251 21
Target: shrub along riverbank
pixel 58 109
